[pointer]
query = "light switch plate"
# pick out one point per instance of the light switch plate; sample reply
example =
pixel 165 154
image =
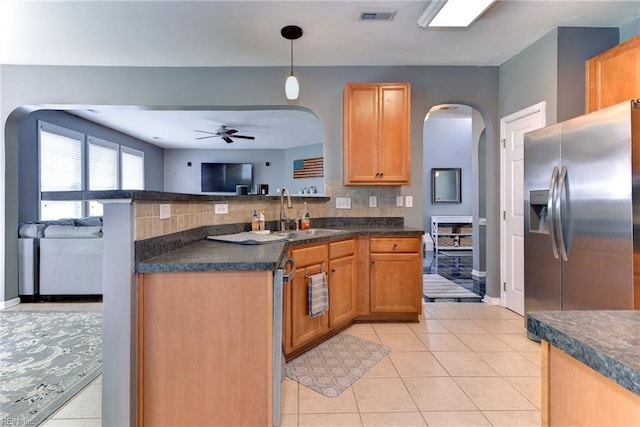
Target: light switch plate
pixel 343 203
pixel 408 201
pixel 221 208
pixel 399 201
pixel 373 202
pixel 165 211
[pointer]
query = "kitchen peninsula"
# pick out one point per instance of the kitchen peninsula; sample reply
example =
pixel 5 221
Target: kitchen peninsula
pixel 590 366
pixel 189 323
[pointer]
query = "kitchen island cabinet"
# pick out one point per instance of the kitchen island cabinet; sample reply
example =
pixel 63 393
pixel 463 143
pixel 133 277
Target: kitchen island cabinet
pixel 590 367
pixel 204 348
pixel 377 142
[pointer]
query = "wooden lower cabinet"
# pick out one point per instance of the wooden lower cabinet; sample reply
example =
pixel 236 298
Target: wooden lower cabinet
pixel 377 279
pixel 395 277
pixel 205 349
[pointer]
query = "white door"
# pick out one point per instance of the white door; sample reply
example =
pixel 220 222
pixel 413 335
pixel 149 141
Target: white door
pixel 512 130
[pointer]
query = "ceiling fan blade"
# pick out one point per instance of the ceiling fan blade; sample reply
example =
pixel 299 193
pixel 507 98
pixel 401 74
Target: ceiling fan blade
pixel 227 139
pixel 205 137
pixel 204 131
pixel 244 136
pixel 230 131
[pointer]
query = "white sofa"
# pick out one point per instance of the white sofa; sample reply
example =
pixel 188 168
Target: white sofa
pixel 60 258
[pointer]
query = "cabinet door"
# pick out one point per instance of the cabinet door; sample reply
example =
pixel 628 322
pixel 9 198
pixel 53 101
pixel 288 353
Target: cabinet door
pixel 360 132
pixel 394 141
pixel 614 75
pixel 396 282
pixel 304 329
pixel 343 295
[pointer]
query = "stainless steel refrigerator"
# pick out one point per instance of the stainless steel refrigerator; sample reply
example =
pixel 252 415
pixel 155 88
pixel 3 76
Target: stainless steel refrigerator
pixel 582 212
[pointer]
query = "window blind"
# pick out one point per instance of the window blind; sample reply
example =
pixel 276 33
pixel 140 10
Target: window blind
pixel 132 169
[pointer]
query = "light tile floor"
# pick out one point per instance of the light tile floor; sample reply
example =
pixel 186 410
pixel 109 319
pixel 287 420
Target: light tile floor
pixel 464 364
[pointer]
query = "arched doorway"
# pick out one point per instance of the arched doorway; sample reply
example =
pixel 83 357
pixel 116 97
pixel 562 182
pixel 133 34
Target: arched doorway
pixel 454 139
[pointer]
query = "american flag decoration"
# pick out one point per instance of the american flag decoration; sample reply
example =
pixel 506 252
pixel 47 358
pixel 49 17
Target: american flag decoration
pixel 308 168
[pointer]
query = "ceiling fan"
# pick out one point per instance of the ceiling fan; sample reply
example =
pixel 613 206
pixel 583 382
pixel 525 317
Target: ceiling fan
pixel 225 133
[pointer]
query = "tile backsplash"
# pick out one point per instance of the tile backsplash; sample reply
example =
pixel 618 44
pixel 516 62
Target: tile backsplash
pixel 188 215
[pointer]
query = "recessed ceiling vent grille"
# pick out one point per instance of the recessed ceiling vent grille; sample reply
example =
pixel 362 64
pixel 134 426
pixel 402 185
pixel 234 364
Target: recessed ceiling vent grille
pixel 379 15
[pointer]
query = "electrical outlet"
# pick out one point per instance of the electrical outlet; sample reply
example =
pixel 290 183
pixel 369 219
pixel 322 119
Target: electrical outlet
pixel 408 201
pixel 343 203
pixel 373 202
pixel 221 208
pixel 165 211
pixel 399 201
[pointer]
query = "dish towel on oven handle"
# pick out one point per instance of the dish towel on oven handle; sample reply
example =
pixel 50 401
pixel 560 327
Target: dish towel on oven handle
pixel 318 294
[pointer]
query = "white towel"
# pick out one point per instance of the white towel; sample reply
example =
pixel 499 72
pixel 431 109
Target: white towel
pixel 318 294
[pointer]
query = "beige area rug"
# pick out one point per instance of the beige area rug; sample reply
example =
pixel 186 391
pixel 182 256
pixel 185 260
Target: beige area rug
pixel 436 287
pixel 331 367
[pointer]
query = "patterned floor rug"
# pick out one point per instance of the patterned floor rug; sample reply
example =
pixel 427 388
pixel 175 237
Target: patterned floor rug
pixel 436 287
pixel 331 367
pixel 45 359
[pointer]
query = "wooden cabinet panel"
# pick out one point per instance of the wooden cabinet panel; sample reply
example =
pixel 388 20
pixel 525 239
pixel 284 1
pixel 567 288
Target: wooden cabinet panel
pixel 360 117
pixel 394 244
pixel 299 328
pixel 343 292
pixel 614 76
pixel 342 248
pixel 395 281
pixel 377 140
pixel 573 394
pixel 304 329
pixel 204 348
pixel 394 148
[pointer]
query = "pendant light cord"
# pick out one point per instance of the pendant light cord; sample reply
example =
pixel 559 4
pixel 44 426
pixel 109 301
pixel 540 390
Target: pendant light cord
pixel 292 56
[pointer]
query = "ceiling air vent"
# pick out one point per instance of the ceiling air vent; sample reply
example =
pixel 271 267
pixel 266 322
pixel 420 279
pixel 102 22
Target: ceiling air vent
pixel 380 15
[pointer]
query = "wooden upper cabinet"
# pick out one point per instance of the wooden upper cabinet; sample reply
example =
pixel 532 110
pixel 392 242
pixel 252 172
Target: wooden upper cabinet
pixel 614 75
pixel 377 141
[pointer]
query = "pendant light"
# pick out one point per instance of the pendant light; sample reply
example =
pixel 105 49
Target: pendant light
pixel 291 85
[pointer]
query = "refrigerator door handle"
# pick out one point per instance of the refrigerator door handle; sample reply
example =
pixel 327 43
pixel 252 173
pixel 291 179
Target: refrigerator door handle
pixel 558 215
pixel 551 212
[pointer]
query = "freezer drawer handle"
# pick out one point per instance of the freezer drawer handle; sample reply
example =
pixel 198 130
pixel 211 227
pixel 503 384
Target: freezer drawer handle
pixel 550 209
pixel 559 224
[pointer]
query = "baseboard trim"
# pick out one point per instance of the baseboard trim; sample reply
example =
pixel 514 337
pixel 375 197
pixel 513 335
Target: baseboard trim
pixel 9 303
pixel 490 300
pixel 477 273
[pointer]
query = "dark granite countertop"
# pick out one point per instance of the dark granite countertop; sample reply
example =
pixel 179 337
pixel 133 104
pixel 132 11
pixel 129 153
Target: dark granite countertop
pixel 607 341
pixel 209 255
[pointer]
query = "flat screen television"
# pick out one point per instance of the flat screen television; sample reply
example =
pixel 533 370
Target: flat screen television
pixel 223 177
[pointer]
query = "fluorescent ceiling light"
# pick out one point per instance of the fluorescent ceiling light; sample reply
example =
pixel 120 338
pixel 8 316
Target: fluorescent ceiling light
pixel 453 13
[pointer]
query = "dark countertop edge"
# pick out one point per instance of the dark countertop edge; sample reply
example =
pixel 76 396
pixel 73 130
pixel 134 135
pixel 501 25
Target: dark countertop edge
pixel 245 266
pixel 148 266
pixel 162 196
pixel 615 370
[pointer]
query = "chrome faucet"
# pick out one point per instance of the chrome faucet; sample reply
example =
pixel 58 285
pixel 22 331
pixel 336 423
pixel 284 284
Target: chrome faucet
pixel 283 217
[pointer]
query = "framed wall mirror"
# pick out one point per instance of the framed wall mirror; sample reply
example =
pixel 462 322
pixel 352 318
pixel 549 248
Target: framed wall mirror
pixel 446 185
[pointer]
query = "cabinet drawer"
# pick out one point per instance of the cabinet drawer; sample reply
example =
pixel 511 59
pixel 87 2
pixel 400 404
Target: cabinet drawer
pixel 395 244
pixel 341 249
pixel 310 255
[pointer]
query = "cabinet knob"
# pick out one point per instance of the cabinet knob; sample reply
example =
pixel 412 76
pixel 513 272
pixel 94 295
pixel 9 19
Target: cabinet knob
pixel 333 270
pixel 395 245
pixel 373 261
